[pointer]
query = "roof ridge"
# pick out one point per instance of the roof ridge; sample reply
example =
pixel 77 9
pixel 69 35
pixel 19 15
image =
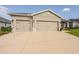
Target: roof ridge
pixel 48 10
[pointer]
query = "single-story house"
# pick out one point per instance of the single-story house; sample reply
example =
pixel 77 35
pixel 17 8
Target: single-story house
pixel 4 22
pixel 46 20
pixel 74 22
pixel 71 23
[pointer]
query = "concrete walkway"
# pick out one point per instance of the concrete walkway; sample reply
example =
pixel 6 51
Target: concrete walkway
pixel 39 42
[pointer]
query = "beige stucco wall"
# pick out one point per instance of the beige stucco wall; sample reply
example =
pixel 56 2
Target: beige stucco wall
pixel 48 16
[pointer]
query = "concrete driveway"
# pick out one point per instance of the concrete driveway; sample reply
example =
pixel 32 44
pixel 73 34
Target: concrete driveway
pixel 39 42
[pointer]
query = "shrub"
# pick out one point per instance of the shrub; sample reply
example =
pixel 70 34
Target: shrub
pixel 3 29
pixel 6 29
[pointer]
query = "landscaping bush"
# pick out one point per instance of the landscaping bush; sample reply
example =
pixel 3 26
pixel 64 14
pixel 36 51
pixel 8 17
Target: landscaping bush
pixel 3 29
pixel 6 29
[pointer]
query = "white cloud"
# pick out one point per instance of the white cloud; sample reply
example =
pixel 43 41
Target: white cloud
pixel 66 10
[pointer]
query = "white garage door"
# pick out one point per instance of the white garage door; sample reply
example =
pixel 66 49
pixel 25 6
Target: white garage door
pixel 22 26
pixel 46 26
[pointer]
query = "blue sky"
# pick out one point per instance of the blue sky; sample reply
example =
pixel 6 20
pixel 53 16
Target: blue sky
pixel 67 11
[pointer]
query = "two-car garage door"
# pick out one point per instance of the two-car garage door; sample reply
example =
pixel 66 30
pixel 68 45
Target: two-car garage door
pixel 46 26
pixel 22 26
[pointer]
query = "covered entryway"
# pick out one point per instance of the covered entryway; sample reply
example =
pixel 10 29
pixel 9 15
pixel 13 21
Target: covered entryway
pixel 46 26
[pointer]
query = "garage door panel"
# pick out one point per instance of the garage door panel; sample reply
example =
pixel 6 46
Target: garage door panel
pixel 22 26
pixel 46 26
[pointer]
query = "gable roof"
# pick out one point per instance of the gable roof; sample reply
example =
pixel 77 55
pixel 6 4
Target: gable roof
pixel 30 14
pixel 49 11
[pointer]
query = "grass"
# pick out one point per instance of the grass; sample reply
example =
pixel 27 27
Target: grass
pixel 73 31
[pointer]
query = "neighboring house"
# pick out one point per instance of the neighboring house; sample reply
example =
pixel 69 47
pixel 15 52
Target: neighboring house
pixel 45 20
pixel 71 23
pixel 75 22
pixel 4 22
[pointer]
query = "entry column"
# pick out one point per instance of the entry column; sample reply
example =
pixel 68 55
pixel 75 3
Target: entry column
pixel 34 25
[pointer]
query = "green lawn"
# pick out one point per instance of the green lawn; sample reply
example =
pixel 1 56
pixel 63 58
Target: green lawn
pixel 73 31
